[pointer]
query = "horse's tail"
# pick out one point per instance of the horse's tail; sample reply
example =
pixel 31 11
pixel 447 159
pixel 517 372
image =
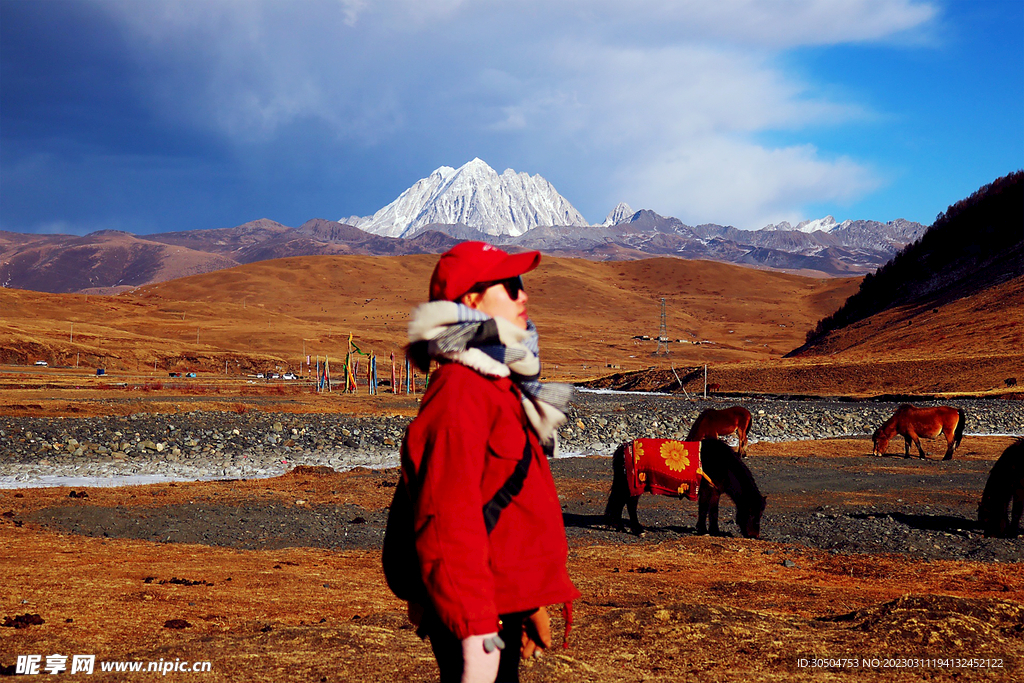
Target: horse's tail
pixel 619 485
pixel 743 431
pixel 961 423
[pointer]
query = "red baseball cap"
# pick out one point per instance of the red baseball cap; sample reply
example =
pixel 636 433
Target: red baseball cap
pixel 468 263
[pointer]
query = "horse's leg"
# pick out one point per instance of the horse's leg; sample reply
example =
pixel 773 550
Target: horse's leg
pixel 741 434
pixel 634 521
pixel 707 502
pixel 906 445
pixel 1018 509
pixel 913 436
pixel 613 511
pixel 713 517
pixel 949 443
pixel 616 501
pixel 920 449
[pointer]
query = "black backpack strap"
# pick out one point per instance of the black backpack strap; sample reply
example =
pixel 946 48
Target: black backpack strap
pixel 510 489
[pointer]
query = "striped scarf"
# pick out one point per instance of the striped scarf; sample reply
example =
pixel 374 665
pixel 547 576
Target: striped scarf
pixel 497 348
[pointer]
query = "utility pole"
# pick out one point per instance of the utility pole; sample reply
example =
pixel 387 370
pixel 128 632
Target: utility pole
pixel 662 349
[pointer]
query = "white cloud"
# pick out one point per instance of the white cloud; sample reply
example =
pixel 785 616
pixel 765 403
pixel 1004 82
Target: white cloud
pixel 739 183
pixel 351 9
pixel 674 98
pixel 783 23
pixel 679 128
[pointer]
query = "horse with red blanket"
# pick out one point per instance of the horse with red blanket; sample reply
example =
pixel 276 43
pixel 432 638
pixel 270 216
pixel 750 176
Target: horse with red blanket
pixel 700 471
pixel 912 423
pixel 713 423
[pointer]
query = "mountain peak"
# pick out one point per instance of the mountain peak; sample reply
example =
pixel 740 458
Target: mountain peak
pixel 826 224
pixel 474 195
pixel 620 214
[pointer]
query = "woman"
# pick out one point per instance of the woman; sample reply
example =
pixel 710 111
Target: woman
pixel 488 524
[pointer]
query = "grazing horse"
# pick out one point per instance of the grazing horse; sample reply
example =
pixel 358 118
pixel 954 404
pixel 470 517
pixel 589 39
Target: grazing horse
pixel 727 474
pixel 712 423
pixel 1005 481
pixel 912 423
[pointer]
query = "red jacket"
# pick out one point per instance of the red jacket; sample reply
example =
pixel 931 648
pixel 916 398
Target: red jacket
pixel 457 453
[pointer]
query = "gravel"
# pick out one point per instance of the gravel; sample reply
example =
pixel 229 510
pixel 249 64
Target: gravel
pixel 210 445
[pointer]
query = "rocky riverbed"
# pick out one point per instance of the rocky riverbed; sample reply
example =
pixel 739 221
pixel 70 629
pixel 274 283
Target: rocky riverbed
pixel 207 445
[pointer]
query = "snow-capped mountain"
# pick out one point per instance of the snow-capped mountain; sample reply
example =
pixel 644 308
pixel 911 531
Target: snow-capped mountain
pixel 826 224
pixel 620 214
pixel 473 195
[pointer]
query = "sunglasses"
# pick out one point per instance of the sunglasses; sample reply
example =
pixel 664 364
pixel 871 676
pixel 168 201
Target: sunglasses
pixel 512 285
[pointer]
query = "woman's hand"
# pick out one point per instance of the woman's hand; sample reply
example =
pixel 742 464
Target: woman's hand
pixel 480 658
pixel 536 633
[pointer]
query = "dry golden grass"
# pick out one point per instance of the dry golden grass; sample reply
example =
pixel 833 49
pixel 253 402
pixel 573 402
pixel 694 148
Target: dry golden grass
pixel 267 314
pixel 264 316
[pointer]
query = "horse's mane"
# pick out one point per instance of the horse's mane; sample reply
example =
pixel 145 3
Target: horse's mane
pixel 738 470
pixel 692 434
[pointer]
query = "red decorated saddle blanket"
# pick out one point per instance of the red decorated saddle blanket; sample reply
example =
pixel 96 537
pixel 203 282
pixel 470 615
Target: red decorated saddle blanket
pixel 663 466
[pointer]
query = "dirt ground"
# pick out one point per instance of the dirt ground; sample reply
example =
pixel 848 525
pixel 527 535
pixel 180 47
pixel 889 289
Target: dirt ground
pixel 237 586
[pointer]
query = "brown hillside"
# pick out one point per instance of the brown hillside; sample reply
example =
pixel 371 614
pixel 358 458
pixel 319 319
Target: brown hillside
pixel 61 263
pixel 972 345
pixel 265 314
pixel 987 322
pixel 976 244
pixel 226 242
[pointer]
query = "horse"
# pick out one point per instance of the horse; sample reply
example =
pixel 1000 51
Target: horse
pixel 912 423
pixel 1005 481
pixel 727 475
pixel 714 423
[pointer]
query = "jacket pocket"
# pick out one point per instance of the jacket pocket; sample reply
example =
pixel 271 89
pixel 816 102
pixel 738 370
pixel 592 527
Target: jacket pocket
pixel 507 440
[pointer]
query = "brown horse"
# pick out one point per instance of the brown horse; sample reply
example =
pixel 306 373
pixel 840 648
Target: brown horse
pixel 728 475
pixel 1005 482
pixel 912 423
pixel 713 423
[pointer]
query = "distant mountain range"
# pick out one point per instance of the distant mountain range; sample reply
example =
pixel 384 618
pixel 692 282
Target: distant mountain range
pixel 514 210
pixel 110 261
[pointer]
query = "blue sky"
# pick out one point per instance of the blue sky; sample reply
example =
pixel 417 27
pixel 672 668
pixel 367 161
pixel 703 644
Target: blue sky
pixel 157 116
